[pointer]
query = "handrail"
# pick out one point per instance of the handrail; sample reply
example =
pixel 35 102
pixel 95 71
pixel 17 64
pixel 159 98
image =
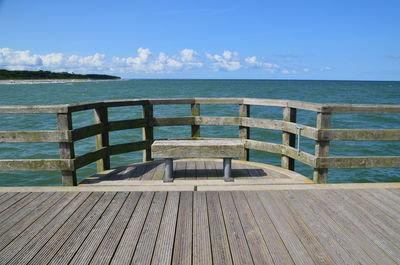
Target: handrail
pixel 67 136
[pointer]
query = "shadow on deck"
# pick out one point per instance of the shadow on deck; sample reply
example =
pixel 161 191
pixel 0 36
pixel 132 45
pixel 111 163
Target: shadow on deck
pixel 196 171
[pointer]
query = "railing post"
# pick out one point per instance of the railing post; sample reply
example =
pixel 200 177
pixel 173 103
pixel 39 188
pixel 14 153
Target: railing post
pixel 244 132
pixel 288 139
pixel 67 151
pixel 102 140
pixel 322 147
pixel 195 112
pixel 148 134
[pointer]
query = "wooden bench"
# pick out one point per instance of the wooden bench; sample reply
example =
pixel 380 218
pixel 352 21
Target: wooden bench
pixel 210 148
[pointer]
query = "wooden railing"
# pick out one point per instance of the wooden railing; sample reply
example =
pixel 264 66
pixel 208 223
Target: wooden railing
pixel 67 136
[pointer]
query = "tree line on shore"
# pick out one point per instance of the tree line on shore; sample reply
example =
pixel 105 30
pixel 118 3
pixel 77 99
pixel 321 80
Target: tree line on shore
pixel 27 75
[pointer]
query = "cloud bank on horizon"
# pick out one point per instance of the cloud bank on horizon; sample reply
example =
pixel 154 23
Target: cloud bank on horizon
pixel 145 62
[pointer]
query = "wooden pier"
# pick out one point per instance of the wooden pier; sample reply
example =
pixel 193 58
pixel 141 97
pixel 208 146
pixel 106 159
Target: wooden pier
pixel 267 215
pixel 277 224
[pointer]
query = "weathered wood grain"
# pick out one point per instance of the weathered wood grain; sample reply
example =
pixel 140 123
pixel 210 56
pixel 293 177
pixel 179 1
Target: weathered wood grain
pixel 67 150
pixel 276 246
pixel 359 134
pixel 364 238
pixel 221 253
pixel 34 109
pixel 237 241
pixel 165 240
pixel 35 136
pixel 202 253
pixel 358 162
pixel 197 148
pixel 288 139
pixel 94 239
pixel 361 108
pixel 182 253
pixel 320 174
pixel 69 216
pixel 109 243
pixel 145 246
pixel 53 245
pixel 195 108
pixel 102 139
pixel 172 121
pixel 244 132
pixel 258 248
pixel 36 164
pixel 130 238
pixel 69 248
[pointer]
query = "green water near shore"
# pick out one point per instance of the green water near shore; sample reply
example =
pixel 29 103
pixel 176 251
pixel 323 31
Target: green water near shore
pixel 351 92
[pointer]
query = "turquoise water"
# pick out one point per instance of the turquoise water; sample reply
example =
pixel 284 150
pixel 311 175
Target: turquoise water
pixel 354 92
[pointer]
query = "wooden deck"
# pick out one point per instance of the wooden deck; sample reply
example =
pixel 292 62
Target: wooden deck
pixel 319 224
pixel 197 172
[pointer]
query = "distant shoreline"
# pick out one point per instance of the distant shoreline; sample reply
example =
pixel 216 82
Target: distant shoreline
pixel 51 81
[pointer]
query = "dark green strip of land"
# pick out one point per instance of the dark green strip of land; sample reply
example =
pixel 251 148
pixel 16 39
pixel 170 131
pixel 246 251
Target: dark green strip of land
pixel 35 75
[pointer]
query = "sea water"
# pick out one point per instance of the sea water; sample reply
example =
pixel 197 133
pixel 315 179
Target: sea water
pixel 342 92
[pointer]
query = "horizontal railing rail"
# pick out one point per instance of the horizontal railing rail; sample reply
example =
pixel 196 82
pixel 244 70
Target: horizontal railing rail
pixel 67 136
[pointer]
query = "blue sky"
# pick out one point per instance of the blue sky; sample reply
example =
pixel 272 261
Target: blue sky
pixel 346 40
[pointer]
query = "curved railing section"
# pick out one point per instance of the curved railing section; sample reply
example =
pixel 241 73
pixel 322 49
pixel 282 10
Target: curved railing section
pixel 67 135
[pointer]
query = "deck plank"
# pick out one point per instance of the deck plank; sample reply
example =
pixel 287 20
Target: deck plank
pixel 276 247
pixel 128 243
pixel 239 248
pixel 388 197
pixel 379 200
pixel 190 172
pixel 159 172
pixel 323 227
pixel 93 240
pixel 70 215
pixel 110 241
pixel 201 230
pixel 211 170
pixel 184 230
pixel 69 247
pixel 145 247
pixel 52 246
pixel 295 247
pixel 165 240
pixel 221 253
pixel 364 241
pixel 49 210
pixel 17 205
pixel 201 172
pixel 10 200
pixel 258 249
pixel 330 225
pixel 150 170
pixel 19 219
pixel 179 169
pixel 379 221
pixel 315 249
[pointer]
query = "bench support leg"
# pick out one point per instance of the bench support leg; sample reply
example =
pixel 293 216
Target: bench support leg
pixel 169 170
pixel 228 169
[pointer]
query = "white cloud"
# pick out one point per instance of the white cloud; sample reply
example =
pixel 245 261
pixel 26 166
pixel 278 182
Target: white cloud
pixel 147 62
pixel 144 61
pixel 227 61
pixel 24 60
pixel 267 66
